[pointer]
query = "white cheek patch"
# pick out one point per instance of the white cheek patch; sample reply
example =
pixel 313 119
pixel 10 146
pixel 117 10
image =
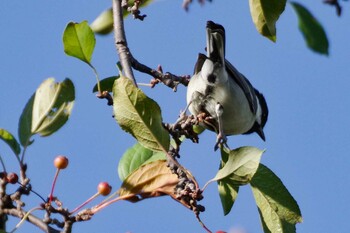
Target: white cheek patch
pixel 207 69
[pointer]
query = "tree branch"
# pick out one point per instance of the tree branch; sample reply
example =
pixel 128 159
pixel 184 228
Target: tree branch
pixel 167 78
pixel 32 219
pixel 120 40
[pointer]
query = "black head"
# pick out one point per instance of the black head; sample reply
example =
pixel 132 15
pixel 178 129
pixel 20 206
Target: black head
pixel 216 42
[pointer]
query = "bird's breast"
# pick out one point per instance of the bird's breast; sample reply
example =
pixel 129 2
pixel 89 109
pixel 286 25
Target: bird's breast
pixel 237 117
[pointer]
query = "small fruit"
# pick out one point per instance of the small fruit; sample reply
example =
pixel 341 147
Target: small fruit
pixel 104 188
pixel 61 162
pixel 12 178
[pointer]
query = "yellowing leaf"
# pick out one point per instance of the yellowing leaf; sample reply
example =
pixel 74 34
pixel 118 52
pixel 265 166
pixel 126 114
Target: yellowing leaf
pixel 265 14
pixel 151 180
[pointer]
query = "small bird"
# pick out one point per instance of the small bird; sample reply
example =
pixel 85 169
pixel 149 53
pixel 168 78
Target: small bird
pixel 217 90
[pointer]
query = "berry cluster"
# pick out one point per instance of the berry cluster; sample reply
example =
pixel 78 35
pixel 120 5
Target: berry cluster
pixel 186 191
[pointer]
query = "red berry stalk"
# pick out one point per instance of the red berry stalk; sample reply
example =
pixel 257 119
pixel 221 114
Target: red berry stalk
pixel 60 162
pixel 103 189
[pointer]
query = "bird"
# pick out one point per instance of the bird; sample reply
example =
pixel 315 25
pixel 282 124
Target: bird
pixel 217 90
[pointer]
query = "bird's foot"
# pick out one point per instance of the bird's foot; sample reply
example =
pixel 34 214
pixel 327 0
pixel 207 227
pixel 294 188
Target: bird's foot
pixel 221 140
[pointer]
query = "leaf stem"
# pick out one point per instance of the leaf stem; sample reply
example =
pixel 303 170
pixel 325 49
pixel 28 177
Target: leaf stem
pixel 206 184
pixel 23 152
pixel 25 218
pixel 108 198
pixel 2 163
pixel 107 203
pixel 97 77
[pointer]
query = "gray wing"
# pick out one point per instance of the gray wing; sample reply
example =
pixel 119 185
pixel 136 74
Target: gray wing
pixel 244 83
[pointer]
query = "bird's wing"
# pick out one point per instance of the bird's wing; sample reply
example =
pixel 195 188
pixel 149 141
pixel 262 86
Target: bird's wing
pixel 244 83
pixel 199 64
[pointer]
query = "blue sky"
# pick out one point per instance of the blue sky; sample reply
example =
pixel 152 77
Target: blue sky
pixel 307 132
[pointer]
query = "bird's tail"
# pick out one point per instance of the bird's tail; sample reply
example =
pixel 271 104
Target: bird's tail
pixel 216 42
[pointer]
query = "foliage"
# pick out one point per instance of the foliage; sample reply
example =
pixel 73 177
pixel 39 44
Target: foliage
pixel 139 115
pixel 313 32
pixel 264 13
pixel 47 110
pixel 147 169
pixel 278 210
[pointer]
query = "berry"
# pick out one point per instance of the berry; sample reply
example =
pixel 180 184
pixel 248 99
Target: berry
pixel 12 178
pixel 104 188
pixel 61 162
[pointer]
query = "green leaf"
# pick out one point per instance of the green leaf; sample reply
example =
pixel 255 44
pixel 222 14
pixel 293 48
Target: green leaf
pixel 279 212
pixel 312 30
pixel 79 41
pixel 25 123
pixel 10 140
pixel 135 157
pixel 265 14
pixel 237 168
pixel 47 110
pixel 228 192
pixel 103 24
pixel 139 115
pixel 106 84
pixel 241 164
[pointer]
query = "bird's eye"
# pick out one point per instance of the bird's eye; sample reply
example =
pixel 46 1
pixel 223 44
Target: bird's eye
pixel 211 78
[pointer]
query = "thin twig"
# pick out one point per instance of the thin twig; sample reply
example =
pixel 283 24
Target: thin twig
pixel 120 40
pixel 203 225
pixel 135 10
pixel 167 78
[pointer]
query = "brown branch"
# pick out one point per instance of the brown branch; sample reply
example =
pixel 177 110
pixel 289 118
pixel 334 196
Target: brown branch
pixel 120 40
pixel 32 219
pixel 134 10
pixel 167 78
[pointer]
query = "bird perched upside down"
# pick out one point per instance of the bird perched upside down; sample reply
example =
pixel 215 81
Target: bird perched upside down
pixel 219 91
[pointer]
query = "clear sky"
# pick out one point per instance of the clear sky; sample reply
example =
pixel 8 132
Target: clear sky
pixel 308 96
